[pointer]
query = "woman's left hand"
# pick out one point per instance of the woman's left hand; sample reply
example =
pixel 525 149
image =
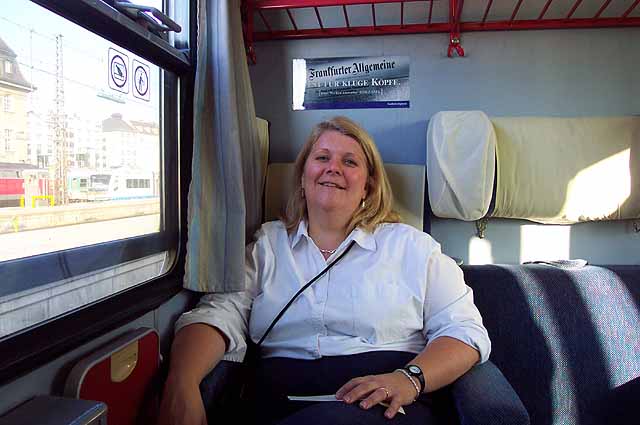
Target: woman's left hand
pixel 392 388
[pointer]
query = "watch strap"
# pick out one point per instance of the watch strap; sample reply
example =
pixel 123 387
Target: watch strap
pixel 411 370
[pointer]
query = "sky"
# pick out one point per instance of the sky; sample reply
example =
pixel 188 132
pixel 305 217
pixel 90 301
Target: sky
pixel 31 31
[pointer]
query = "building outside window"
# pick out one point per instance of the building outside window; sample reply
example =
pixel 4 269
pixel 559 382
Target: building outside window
pixel 8 135
pixel 15 94
pixel 7 103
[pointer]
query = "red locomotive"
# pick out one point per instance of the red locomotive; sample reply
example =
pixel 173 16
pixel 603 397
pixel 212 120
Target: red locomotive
pixel 18 178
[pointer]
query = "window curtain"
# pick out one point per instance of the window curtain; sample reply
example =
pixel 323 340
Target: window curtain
pixel 224 197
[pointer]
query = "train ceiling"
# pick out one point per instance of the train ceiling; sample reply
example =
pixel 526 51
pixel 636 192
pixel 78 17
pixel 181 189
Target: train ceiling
pixel 300 19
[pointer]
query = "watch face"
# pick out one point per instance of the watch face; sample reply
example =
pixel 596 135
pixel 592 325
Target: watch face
pixel 414 369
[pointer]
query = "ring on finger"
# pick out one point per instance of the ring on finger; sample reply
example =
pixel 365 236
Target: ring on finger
pixel 386 392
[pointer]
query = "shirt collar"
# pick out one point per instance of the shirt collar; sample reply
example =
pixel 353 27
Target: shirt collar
pixel 365 239
pixel 300 232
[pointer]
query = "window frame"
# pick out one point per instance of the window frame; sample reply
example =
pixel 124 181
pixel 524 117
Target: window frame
pixel 32 347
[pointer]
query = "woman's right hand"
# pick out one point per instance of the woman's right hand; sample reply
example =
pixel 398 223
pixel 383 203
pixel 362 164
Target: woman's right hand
pixel 181 404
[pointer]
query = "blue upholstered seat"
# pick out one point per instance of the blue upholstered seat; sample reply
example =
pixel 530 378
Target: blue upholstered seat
pixel 568 341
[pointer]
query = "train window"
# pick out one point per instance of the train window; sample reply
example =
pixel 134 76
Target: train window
pixel 88 186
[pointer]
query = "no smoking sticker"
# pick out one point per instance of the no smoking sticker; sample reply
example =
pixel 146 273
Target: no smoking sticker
pixel 140 80
pixel 118 71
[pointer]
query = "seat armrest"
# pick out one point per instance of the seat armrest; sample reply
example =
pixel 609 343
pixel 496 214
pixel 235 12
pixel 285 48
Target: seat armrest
pixel 484 396
pixel 220 391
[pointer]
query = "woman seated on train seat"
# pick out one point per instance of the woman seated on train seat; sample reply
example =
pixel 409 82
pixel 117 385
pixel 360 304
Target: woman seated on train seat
pixel 391 321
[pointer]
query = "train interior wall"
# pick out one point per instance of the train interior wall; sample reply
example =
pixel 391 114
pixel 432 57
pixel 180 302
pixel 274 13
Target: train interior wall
pixel 558 73
pixel 50 378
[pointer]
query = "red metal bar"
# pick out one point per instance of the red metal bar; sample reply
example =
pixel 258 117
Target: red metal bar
pixel 532 24
pixel 402 14
pixel 633 6
pixel 452 12
pixel 293 21
pixel 604 6
pixel 354 31
pixel 266 24
pixel 318 16
pixel 455 10
pixel 293 4
pixel 373 13
pixel 573 9
pixel 459 13
pixel 544 9
pixel 515 11
pixel 486 11
pixel 552 24
pixel 430 11
pixel 248 30
pixel 346 17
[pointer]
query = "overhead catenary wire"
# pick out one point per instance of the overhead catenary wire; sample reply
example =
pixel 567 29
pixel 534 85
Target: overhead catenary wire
pixel 88 86
pixel 86 53
pixel 67 45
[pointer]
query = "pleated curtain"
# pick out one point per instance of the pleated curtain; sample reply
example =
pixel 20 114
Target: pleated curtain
pixel 225 194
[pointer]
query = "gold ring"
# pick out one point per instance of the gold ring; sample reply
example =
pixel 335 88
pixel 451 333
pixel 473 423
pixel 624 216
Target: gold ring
pixel 386 392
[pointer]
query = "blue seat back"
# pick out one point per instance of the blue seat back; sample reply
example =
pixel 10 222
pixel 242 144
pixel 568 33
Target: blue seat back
pixel 565 339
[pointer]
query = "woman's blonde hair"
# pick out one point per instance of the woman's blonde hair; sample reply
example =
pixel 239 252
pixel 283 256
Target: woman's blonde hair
pixel 379 201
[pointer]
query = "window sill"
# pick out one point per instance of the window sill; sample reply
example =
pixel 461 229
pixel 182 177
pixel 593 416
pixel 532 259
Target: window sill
pixel 26 351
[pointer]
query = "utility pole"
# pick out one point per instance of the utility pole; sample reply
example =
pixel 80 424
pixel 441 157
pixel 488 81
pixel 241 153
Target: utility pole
pixel 60 128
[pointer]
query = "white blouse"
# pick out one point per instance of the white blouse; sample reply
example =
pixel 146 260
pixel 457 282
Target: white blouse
pixel 394 291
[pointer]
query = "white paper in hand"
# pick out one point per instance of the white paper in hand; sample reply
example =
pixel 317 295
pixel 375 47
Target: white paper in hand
pixel 329 397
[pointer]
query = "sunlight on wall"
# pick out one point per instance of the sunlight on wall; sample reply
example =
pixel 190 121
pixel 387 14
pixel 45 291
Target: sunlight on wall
pixel 544 242
pixel 480 251
pixel 599 190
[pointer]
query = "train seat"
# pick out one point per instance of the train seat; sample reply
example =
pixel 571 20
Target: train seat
pixel 567 339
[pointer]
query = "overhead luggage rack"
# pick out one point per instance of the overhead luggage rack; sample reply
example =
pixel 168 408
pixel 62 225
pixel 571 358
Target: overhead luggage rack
pixel 301 19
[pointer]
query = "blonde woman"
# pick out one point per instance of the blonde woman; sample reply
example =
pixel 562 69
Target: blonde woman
pixel 391 321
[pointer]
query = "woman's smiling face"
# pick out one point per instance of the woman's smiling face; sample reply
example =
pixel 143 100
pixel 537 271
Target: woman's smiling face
pixel 335 174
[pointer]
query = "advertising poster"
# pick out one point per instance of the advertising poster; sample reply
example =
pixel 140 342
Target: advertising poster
pixel 351 83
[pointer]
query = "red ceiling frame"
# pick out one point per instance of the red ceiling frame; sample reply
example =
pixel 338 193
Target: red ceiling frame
pixel 455 26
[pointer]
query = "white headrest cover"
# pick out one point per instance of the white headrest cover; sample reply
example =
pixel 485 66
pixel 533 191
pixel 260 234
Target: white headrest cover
pixel 461 149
